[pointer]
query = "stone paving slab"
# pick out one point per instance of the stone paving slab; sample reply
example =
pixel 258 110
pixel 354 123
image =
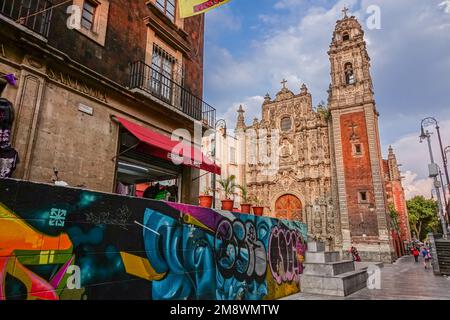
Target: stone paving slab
pixel 402 280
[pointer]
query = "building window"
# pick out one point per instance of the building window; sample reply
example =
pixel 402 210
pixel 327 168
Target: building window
pixel 357 149
pixel 167 7
pixel 232 155
pixel 363 198
pixel 88 15
pixel 94 19
pixel 346 36
pixel 162 73
pixel 286 124
pixel 349 74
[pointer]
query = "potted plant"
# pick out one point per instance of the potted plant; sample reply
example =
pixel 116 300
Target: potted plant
pixel 246 205
pixel 205 199
pixel 258 208
pixel 228 186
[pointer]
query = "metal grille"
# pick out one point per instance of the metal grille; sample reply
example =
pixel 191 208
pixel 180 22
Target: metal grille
pixel 161 86
pixel 33 14
pixel 167 7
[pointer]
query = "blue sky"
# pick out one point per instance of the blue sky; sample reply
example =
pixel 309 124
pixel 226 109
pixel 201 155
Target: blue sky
pixel 251 45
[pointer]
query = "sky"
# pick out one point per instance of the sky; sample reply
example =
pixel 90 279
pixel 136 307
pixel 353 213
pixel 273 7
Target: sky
pixel 251 45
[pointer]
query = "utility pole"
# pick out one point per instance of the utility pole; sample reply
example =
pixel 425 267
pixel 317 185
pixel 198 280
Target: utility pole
pixel 433 173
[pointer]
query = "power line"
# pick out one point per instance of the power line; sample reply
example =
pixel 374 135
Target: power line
pixel 39 12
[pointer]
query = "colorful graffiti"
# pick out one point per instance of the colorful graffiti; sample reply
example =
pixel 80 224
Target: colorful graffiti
pixel 75 244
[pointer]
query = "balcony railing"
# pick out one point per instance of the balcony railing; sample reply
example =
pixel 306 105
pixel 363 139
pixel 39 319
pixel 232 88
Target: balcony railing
pixel 33 14
pixel 151 81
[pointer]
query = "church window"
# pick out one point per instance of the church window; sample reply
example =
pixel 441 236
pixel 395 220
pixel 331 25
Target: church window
pixel 357 149
pixel 286 124
pixel 363 197
pixel 346 36
pixel 232 155
pixel 349 74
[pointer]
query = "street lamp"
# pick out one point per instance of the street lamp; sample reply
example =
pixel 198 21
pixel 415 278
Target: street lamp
pixel 429 121
pixel 223 124
pixel 433 173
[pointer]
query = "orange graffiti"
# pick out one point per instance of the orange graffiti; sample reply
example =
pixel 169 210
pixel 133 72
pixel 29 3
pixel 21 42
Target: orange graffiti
pixel 21 244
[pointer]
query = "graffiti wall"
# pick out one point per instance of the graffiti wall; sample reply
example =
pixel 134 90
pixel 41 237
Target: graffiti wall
pixel 64 243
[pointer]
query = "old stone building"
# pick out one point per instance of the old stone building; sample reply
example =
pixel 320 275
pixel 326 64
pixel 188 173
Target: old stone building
pixel 329 168
pixel 101 86
pixel 396 198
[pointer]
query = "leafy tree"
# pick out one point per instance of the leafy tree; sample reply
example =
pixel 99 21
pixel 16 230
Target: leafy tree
pixel 423 216
pixel 394 218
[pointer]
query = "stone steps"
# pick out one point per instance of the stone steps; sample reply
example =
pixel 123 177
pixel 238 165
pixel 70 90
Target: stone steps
pixel 443 255
pixel 339 285
pixel 322 257
pixel 326 274
pixel 330 268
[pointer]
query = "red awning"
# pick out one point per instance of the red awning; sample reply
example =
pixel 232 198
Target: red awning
pixel 161 146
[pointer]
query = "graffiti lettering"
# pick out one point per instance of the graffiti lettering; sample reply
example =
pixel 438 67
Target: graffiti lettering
pixel 286 250
pixel 119 217
pixel 239 252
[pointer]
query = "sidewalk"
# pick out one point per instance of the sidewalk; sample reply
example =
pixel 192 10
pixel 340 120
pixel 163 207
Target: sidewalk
pixel 402 280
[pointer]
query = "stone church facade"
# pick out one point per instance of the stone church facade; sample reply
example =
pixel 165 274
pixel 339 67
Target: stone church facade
pixel 329 170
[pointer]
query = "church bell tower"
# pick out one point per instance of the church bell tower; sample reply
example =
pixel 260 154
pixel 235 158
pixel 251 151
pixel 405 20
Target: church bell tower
pixel 359 189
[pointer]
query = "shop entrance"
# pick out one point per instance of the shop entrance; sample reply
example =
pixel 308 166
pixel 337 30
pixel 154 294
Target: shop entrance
pixel 142 175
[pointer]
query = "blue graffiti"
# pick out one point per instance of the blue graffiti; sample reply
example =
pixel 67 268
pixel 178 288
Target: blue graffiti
pixel 185 255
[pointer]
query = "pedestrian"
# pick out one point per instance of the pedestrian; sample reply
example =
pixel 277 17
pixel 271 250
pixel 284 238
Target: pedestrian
pixel 415 253
pixel 426 257
pixel 355 254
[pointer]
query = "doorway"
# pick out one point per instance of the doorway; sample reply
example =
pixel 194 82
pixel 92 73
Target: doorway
pixel 288 207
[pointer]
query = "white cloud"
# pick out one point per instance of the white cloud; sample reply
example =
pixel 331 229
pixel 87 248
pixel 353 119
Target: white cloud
pixel 415 186
pixel 445 5
pixel 251 106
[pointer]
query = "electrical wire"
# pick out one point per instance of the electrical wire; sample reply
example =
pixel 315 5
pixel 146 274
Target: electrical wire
pixel 46 9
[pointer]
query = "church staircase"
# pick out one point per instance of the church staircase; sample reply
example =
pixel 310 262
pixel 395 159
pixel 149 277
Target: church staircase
pixel 325 274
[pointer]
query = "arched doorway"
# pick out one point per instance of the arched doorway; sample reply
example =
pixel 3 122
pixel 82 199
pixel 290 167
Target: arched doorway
pixel 288 207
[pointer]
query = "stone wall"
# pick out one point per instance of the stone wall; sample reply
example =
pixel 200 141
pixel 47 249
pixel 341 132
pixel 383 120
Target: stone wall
pixel 78 244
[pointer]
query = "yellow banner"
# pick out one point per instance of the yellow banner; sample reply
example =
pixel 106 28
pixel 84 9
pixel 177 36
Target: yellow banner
pixel 189 8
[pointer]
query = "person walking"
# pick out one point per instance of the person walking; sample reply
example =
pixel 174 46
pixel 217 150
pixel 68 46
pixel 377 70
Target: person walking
pixel 426 257
pixel 415 253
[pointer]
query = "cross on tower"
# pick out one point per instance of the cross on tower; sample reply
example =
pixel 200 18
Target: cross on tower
pixel 344 11
pixel 353 126
pixel 284 83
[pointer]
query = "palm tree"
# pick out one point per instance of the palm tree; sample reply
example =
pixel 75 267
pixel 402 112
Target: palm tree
pixel 244 194
pixel 228 185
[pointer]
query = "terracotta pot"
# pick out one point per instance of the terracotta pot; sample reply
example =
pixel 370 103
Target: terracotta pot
pixel 227 205
pixel 246 208
pixel 258 211
pixel 205 201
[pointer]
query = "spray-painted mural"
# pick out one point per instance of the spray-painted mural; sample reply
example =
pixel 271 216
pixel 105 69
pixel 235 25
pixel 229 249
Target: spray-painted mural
pixel 64 243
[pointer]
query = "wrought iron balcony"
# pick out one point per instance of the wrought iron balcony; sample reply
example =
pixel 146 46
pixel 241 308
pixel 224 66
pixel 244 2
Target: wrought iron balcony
pixel 33 14
pixel 162 87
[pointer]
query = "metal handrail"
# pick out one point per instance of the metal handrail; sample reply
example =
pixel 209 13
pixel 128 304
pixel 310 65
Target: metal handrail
pixel 161 86
pixel 33 14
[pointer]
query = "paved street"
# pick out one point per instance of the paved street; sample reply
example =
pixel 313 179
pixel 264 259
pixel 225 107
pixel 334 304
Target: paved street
pixel 403 280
